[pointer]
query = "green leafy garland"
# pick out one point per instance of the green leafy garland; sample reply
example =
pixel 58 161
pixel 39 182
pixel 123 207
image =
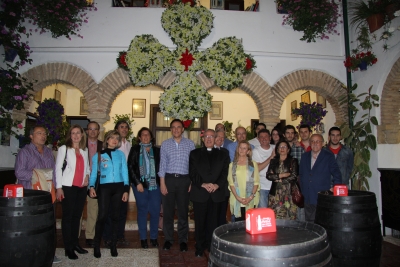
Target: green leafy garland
pixel 147 61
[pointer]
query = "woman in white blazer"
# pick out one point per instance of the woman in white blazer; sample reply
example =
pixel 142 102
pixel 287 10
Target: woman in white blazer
pixel 71 182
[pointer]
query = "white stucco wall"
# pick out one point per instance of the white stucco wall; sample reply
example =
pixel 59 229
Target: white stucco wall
pixel 276 48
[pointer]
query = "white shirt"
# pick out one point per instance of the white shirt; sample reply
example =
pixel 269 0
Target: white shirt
pixel 255 142
pixel 260 155
pixel 126 148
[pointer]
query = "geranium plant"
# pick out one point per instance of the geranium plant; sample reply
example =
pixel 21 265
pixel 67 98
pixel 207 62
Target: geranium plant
pixel 355 61
pixel 13 92
pixel 311 114
pixel 315 18
pixel 51 116
pixel 61 18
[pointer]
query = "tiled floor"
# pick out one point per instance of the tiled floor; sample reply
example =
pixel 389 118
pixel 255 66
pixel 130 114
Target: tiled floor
pixel 174 258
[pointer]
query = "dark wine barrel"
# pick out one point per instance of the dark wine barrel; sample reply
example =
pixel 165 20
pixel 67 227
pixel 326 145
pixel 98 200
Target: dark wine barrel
pixel 353 227
pixel 27 230
pixel 293 244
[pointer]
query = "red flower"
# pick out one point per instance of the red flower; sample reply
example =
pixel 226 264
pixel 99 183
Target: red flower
pixel 187 59
pixel 122 59
pixel 362 54
pixel 249 64
pixel 187 123
pixel 374 60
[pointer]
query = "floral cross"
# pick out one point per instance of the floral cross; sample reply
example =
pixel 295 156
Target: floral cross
pixel 225 62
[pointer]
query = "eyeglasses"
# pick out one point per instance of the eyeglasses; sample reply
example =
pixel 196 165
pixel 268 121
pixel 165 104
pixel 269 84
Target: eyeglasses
pixel 209 136
pixel 282 147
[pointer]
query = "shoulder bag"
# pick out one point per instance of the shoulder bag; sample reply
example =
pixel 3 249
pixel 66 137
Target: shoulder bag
pixel 65 161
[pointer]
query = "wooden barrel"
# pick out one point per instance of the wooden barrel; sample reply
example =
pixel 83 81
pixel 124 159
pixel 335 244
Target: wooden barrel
pixel 27 230
pixel 293 244
pixel 353 227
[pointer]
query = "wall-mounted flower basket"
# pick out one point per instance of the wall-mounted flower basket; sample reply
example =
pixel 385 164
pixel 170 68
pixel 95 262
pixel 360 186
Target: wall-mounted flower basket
pixel 363 65
pixel 390 9
pixel 10 54
pixel 375 22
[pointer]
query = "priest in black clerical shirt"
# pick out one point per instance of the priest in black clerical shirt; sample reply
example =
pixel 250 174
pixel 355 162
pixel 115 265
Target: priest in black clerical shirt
pixel 208 169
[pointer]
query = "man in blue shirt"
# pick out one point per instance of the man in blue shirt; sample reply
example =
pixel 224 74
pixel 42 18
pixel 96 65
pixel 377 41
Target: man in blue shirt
pixel 175 184
pixel 240 133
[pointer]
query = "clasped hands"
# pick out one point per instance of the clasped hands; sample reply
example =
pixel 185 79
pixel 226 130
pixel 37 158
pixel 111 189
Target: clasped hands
pixel 210 187
pixel 244 200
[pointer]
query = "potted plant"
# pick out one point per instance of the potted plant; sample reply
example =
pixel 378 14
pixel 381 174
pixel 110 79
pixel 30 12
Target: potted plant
pixel 391 6
pixel 51 117
pixel 360 61
pixel 311 114
pixel 372 12
pixel 315 18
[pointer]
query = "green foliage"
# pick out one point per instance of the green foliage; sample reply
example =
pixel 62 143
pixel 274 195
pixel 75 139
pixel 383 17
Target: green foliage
pixel 360 137
pixel 126 118
pixel 228 130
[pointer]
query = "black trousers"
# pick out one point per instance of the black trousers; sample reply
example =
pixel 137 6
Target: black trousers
pixel 109 198
pixel 123 212
pixel 222 215
pixel 72 208
pixel 177 194
pixel 309 211
pixel 206 215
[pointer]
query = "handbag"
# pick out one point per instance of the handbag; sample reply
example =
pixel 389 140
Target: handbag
pixel 96 185
pixel 65 161
pixel 297 196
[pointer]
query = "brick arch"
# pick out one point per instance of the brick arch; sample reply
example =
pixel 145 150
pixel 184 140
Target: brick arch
pixel 269 99
pixel 117 81
pixel 59 72
pixel 389 128
pixel 322 83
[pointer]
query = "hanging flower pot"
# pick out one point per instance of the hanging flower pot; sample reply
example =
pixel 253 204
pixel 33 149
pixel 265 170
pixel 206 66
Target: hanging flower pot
pixel 363 65
pixel 375 22
pixel 390 9
pixel 10 54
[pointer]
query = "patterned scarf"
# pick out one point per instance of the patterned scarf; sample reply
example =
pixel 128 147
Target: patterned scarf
pixel 147 166
pixel 249 184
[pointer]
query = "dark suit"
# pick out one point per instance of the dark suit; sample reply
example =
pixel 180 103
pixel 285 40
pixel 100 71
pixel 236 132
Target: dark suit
pixel 318 178
pixel 207 167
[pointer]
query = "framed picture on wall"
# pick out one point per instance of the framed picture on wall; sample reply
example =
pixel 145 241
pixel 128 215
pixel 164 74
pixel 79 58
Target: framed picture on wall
pixel 305 98
pixel 138 108
pixel 84 106
pixel 38 96
pixel 321 100
pixel 216 110
pixel 293 105
pixel 57 95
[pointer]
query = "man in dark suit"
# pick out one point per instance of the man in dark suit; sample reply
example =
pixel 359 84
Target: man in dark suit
pixel 316 169
pixel 208 169
pixel 94 145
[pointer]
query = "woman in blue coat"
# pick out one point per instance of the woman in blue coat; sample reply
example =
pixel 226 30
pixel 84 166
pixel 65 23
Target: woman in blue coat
pixel 113 186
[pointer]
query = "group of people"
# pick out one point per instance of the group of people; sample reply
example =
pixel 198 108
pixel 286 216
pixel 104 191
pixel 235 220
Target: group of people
pixel 221 174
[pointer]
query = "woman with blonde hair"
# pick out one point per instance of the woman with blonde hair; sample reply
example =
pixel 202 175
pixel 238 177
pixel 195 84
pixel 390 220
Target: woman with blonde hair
pixel 72 175
pixel 244 180
pixel 113 187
